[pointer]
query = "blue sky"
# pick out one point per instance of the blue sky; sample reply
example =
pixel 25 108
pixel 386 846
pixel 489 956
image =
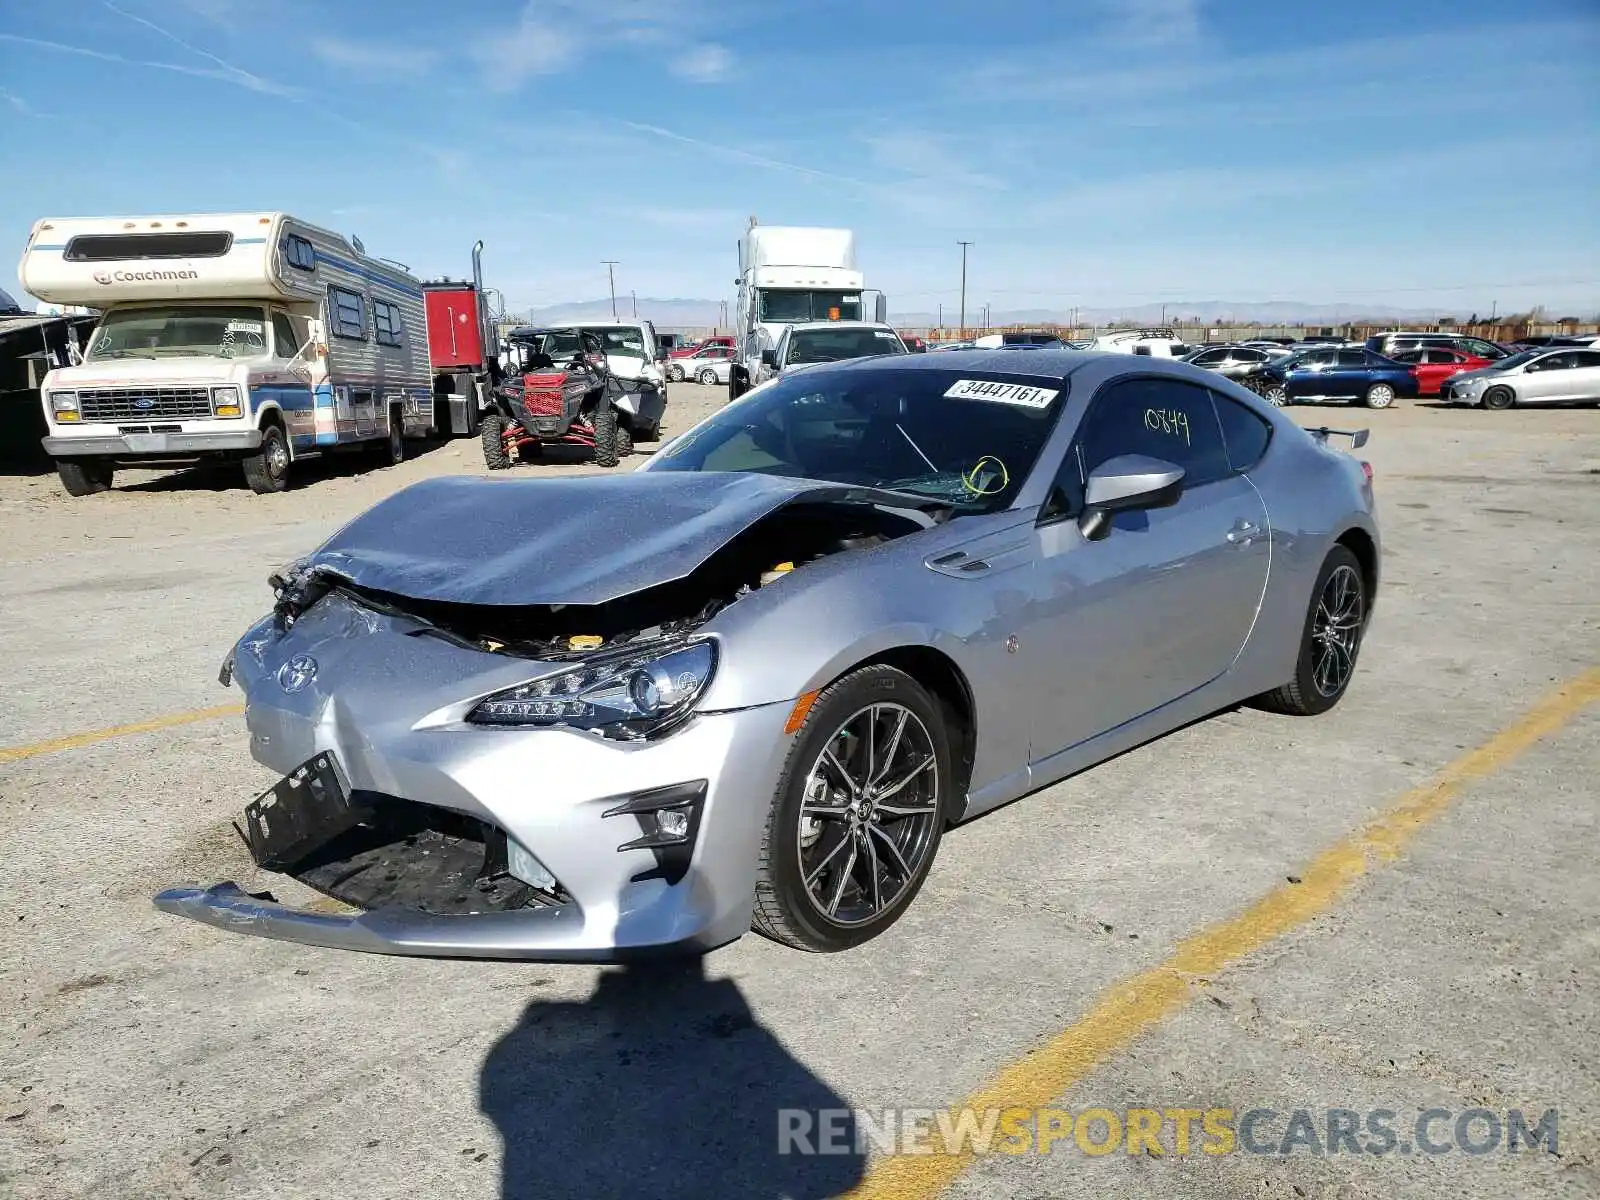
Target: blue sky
pixel 1412 153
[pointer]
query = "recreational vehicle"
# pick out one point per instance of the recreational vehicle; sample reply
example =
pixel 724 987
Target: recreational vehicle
pixel 247 336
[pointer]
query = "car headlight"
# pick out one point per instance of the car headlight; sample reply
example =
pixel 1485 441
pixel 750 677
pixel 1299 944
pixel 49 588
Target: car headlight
pixel 64 405
pixel 629 694
pixel 225 401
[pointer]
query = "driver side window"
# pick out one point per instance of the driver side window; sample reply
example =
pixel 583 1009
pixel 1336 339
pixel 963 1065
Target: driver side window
pixel 1165 419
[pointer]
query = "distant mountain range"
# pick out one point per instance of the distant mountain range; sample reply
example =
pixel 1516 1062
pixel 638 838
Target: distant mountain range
pixel 679 312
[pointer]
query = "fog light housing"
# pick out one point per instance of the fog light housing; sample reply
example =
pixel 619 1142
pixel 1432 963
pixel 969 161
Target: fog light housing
pixel 668 820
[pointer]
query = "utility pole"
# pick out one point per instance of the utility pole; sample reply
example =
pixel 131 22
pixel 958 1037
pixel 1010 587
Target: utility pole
pixel 964 246
pixel 941 316
pixel 611 274
pixel 1494 309
pixel 635 297
pixel 986 316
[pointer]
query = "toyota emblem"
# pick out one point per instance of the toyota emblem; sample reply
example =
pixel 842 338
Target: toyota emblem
pixel 297 672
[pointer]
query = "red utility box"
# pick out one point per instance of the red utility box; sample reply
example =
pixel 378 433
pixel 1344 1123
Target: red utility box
pixel 455 329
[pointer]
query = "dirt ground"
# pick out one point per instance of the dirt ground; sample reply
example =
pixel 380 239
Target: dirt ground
pixel 145 1056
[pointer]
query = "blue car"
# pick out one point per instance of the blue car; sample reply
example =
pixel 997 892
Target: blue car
pixel 1353 375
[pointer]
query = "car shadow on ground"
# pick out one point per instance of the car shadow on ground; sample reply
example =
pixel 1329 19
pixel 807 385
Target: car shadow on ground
pixel 229 476
pixel 662 1084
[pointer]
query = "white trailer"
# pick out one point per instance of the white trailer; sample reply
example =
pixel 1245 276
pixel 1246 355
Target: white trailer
pixel 249 336
pixel 789 275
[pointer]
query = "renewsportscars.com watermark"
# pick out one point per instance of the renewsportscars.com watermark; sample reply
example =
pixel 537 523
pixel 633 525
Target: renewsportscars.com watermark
pixel 1160 1132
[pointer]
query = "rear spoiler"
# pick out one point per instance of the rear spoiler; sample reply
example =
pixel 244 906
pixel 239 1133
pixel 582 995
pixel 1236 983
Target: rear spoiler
pixel 1358 437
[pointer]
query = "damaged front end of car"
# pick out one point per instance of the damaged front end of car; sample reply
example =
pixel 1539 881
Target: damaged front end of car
pixel 492 734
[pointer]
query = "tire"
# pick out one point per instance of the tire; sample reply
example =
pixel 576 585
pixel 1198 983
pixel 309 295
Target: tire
pixel 796 846
pixel 624 440
pixel 674 373
pixel 1380 395
pixel 491 432
pixel 708 377
pixel 1275 394
pixel 1307 694
pixel 84 476
pixel 607 435
pixel 267 470
pixel 1499 398
pixel 394 445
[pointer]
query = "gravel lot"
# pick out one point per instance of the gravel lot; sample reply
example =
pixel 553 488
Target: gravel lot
pixel 143 1056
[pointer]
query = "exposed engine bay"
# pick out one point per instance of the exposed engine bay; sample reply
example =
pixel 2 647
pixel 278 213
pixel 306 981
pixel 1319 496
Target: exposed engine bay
pixel 762 555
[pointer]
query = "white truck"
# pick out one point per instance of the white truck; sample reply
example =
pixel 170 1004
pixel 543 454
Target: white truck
pixel 255 337
pixel 792 275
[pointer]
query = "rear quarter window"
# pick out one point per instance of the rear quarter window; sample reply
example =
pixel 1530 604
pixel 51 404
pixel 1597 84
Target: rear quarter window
pixel 1245 435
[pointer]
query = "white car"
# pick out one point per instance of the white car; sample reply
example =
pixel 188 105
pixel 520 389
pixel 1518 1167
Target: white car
pixel 709 364
pixel 1558 375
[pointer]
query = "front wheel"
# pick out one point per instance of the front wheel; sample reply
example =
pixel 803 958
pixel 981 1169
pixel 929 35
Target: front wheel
pixel 491 432
pixel 267 470
pixel 1380 395
pixel 674 373
pixel 1330 641
pixel 858 814
pixel 1499 398
pixel 607 435
pixel 84 476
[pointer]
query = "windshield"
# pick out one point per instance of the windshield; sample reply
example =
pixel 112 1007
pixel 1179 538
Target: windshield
pixel 1515 360
pixel 949 435
pixel 831 345
pixel 626 343
pixel 189 331
pixel 810 306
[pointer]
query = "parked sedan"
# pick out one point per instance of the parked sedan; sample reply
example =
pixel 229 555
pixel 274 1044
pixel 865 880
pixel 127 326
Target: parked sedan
pixel 568 736
pixel 698 363
pixel 1432 365
pixel 1235 362
pixel 1348 374
pixel 1546 376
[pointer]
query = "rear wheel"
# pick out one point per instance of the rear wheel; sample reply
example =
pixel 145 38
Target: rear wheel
pixel 1499 397
pixel 491 432
pixel 84 476
pixel 674 373
pixel 267 470
pixel 394 446
pixel 858 814
pixel 1330 642
pixel 1380 395
pixel 708 377
pixel 1275 394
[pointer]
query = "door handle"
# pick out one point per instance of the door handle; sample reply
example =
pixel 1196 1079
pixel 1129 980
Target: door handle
pixel 1243 533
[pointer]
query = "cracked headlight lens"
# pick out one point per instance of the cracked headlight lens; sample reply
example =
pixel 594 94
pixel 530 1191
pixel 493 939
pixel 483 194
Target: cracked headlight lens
pixel 627 695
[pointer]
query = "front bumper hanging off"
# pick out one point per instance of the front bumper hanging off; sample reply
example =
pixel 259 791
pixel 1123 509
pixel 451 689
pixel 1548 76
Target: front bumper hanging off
pixel 442 878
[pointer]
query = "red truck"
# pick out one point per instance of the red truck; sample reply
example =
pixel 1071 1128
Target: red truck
pixel 463 349
pixel 721 339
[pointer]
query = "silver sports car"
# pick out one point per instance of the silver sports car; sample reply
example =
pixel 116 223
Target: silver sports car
pixel 750 685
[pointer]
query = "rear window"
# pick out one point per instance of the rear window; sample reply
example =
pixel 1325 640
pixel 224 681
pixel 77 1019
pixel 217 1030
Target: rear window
pixel 1245 434
pixel 112 247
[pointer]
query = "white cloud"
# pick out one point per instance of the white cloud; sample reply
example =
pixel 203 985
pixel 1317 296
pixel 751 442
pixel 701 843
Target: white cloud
pixel 371 57
pixel 708 63
pixel 228 70
pixel 16 102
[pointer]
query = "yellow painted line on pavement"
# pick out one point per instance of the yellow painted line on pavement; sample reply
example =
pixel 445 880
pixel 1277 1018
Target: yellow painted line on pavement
pixel 1135 1005
pixel 75 741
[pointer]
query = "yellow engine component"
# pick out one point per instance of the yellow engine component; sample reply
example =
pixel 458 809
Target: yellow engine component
pixel 776 573
pixel 585 641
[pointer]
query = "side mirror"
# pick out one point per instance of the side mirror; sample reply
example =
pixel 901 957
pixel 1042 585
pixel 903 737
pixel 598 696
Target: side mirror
pixel 769 358
pixel 1127 483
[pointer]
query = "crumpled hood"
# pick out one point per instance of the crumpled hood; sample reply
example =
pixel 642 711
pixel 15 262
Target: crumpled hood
pixel 586 539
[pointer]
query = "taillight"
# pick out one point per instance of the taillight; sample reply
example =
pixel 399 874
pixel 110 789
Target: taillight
pixel 1366 469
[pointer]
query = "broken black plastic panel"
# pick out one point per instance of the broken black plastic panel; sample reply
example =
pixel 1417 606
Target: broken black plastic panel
pixel 672 850
pixel 300 812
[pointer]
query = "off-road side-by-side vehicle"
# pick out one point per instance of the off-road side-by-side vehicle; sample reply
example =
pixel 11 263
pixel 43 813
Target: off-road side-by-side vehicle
pixel 561 390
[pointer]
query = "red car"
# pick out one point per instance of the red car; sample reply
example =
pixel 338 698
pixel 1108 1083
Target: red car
pixel 725 339
pixel 1432 365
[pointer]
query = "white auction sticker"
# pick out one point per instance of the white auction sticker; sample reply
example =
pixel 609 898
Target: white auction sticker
pixel 1004 393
